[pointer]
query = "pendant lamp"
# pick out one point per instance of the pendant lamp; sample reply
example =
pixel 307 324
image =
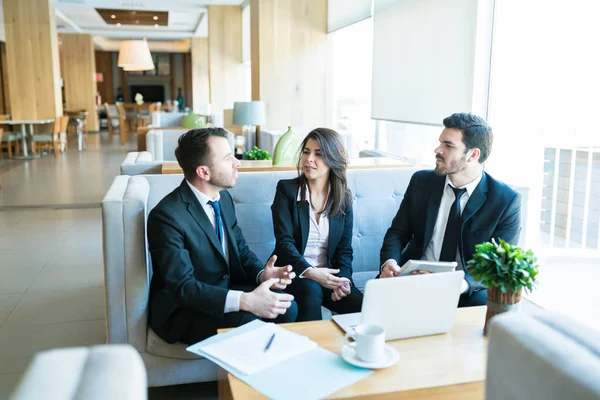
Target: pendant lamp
pixel 134 55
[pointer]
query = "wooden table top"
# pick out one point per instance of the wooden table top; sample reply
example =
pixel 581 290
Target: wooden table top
pixel 447 366
pixel 172 167
pixel 26 121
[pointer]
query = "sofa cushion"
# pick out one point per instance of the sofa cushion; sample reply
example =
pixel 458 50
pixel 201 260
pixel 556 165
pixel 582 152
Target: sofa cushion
pixel 159 347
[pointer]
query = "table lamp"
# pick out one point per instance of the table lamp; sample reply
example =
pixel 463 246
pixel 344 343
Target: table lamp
pixel 249 114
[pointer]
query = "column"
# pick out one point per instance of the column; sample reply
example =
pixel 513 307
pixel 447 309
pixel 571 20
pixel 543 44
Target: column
pixel 78 70
pixel 32 58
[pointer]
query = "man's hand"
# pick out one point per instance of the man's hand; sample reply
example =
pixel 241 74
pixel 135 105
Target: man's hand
pixel 284 274
pixel 265 303
pixel 324 277
pixel 419 272
pixel 341 291
pixel 390 269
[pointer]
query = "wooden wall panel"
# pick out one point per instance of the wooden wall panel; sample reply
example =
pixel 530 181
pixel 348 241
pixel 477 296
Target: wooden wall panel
pixel 78 73
pixel 200 80
pixel 32 59
pixel 289 61
pixel 104 66
pixel 4 96
pixel 226 74
pixel 188 93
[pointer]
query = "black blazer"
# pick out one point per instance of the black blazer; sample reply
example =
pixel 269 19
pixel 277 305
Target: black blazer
pixel 291 224
pixel 190 271
pixel 493 211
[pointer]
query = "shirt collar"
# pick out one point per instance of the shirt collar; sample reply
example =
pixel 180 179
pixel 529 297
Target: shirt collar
pixel 469 186
pixel 202 198
pixel 307 194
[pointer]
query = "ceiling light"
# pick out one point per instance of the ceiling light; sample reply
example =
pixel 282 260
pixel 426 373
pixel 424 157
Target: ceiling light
pixel 155 18
pixel 134 55
pixel 113 16
pixel 118 24
pixel 156 25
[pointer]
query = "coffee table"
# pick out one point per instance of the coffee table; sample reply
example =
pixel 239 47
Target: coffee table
pixel 447 366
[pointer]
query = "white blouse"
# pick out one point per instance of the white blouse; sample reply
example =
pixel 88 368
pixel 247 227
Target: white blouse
pixel 318 237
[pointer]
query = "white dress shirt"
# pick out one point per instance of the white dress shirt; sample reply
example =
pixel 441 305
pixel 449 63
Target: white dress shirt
pixel 434 248
pixel 232 301
pixel 315 252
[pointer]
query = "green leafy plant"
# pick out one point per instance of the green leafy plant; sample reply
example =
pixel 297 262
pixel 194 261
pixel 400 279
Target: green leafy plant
pixel 257 154
pixel 503 266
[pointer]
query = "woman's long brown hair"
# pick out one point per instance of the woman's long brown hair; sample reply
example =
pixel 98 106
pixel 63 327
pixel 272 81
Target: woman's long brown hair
pixel 335 156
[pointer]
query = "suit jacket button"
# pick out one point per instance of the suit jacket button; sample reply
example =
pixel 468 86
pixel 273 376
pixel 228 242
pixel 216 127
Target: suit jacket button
pixel 225 277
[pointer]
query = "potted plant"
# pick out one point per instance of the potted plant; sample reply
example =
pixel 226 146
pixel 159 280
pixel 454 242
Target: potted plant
pixel 258 157
pixel 504 270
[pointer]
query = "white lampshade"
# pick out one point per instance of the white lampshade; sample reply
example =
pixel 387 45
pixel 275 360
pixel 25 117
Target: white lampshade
pixel 134 55
pixel 248 113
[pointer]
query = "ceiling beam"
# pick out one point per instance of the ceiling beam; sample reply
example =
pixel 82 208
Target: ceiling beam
pixel 67 20
pixel 116 33
pixel 199 25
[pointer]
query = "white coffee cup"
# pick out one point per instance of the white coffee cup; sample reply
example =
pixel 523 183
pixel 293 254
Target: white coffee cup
pixel 369 342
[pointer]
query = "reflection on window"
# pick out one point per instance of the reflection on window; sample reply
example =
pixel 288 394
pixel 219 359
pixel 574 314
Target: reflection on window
pixel 351 87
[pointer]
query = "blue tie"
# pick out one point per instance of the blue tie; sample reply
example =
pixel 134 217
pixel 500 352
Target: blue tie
pixel 215 205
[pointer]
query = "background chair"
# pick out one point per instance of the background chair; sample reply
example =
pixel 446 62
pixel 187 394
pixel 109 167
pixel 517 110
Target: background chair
pixel 123 128
pixel 47 140
pixel 112 119
pixel 11 141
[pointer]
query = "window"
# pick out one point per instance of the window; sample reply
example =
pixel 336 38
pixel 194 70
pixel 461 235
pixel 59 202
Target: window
pixel 352 49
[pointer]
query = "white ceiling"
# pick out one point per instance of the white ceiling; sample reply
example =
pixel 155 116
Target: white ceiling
pixel 187 18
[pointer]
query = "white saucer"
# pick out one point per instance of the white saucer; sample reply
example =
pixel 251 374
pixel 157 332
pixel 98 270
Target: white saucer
pixel 391 357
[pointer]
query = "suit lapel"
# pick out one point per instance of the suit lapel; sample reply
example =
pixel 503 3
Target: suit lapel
pixel 228 217
pixel 197 212
pixel 476 200
pixel 335 231
pixel 433 207
pixel 304 218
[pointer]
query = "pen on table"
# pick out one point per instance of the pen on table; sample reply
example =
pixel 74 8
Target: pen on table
pixel 270 342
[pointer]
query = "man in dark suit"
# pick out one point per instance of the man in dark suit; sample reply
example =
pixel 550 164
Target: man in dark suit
pixel 205 276
pixel 447 211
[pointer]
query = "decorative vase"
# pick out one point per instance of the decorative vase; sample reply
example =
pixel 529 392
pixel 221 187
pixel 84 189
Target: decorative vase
pixel 286 150
pixel 192 121
pixel 498 303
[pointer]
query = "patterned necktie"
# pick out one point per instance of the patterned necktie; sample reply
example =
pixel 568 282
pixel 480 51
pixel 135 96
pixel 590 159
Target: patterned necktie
pixel 218 226
pixel 452 233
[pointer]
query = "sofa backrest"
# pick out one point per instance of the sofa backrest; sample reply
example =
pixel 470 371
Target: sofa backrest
pixel 161 143
pixel 167 119
pixel 140 163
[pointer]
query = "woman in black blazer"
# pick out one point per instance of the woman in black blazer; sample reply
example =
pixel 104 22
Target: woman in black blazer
pixel 312 221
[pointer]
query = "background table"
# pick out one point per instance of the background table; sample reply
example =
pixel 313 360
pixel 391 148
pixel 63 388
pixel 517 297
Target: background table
pixel 24 122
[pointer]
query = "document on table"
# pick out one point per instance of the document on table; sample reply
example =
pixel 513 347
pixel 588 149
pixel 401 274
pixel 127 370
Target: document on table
pixel 248 353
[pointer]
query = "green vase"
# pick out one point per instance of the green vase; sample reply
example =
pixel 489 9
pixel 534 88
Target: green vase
pixel 192 121
pixel 286 151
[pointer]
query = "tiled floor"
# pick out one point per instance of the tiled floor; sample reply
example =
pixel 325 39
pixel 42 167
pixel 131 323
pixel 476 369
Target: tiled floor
pixel 51 271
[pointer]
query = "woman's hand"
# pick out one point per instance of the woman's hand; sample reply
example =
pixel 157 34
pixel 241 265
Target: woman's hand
pixel 324 277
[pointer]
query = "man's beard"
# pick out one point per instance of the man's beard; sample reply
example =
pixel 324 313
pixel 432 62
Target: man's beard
pixel 222 180
pixel 454 167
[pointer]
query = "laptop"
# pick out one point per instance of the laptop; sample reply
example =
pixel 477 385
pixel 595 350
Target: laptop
pixel 408 306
